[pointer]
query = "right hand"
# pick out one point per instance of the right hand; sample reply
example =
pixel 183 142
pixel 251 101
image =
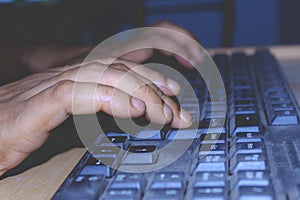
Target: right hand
pixel 30 108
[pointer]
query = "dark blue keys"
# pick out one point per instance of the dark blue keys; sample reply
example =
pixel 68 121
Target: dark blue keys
pixel 166 185
pixel 144 154
pixel 85 188
pixel 128 181
pixel 100 165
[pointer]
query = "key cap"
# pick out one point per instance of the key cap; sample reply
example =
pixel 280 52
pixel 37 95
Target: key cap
pixel 164 180
pixel 107 151
pixel 279 100
pixel 164 194
pixel 212 138
pixel 120 141
pixel 250 178
pixel 244 110
pixel 248 135
pixel 211 167
pixel 213 147
pixel 210 179
pixel 122 194
pixel 253 193
pixel 247 147
pixel 213 193
pixel 98 166
pixel 244 103
pixel 285 117
pixel 212 158
pixel 128 181
pixel 141 155
pixel 182 134
pixel 282 107
pixel 277 94
pixel 247 120
pixel 85 188
pixel 245 140
pixel 248 162
pixel 213 123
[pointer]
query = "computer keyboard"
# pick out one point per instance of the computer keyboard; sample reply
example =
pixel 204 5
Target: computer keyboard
pixel 253 154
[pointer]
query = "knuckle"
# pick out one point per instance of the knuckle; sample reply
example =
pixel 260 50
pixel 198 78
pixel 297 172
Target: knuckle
pixel 151 90
pixel 62 91
pixel 158 76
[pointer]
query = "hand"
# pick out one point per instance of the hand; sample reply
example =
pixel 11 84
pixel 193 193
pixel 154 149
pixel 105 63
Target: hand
pixel 30 108
pixel 170 41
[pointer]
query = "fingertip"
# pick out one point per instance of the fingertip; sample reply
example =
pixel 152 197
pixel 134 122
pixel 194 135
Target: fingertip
pixel 173 85
pixel 138 104
pixel 186 118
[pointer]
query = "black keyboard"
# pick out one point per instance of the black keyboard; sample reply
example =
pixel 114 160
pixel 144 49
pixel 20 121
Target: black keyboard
pixel 253 154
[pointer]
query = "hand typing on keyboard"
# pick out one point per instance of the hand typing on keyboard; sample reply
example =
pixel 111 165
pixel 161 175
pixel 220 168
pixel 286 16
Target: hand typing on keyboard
pixel 31 107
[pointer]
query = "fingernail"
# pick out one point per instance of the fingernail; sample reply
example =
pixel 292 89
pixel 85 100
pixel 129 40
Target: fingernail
pixel 185 116
pixel 138 104
pixel 173 85
pixel 167 111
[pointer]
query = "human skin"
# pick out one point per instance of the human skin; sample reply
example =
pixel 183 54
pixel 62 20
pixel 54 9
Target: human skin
pixel 31 107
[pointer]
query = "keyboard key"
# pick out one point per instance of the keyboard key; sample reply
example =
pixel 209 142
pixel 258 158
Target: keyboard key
pixel 282 107
pixel 128 181
pixel 211 167
pixel 85 188
pixel 247 120
pixel 167 180
pixel 253 193
pixel 248 135
pixel 244 110
pixel 255 161
pixel 120 141
pixel 285 117
pixel 247 147
pixel 146 154
pixel 250 178
pixel 98 166
pixel 107 151
pixel 212 158
pixel 210 179
pixel 213 193
pixel 246 103
pixel 213 147
pixel 164 194
pixel 212 138
pixel 122 194
pixel 212 123
pixel 183 134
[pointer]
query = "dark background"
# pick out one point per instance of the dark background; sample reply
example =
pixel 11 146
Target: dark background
pixel 216 23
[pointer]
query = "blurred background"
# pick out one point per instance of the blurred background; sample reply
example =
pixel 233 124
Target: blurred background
pixel 216 23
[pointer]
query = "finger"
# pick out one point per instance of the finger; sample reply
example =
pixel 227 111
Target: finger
pixel 115 76
pixel 69 97
pixel 167 85
pixel 138 56
pixel 92 72
pixel 189 43
pixel 157 110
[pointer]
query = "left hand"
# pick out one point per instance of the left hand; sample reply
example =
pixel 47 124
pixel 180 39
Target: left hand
pixel 192 50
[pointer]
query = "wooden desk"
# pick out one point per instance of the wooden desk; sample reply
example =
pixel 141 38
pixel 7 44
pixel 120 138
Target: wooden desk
pixel 41 182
